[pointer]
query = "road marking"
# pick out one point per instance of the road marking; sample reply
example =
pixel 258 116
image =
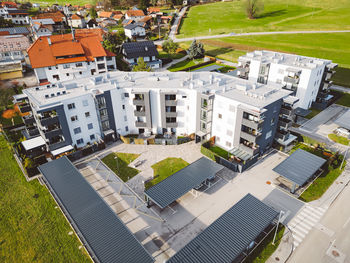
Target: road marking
pixel 302 229
pixel 346 223
pixel 298 239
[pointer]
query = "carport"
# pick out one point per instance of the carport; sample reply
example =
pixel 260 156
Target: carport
pixel 233 236
pixel 183 181
pixel 101 231
pixel 299 167
pixel 344 120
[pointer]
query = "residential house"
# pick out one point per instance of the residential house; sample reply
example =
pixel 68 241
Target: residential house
pixel 70 56
pixel 165 19
pixel 18 17
pixel 154 11
pixel 58 17
pixel 132 51
pixel 20 30
pixel 134 15
pixel 77 21
pixel 135 31
pixel 42 27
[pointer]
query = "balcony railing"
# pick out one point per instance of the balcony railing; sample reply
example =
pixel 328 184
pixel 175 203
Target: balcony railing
pixel 140 124
pixel 25 108
pixel 138 102
pixel 49 120
pixel 171 124
pixel 171 114
pixel 284 123
pixel 291 80
pixel 252 124
pixel 139 113
pixel 53 133
pixel 249 137
pixel 170 102
pixel 28 120
pixel 249 150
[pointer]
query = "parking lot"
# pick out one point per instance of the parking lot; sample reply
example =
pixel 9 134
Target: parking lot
pixel 164 232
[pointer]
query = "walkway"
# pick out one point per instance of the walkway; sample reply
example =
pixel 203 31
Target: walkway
pixel 340 88
pixel 176 23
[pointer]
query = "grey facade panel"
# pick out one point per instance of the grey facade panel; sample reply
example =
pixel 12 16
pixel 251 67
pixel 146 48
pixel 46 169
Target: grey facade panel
pixel 300 166
pixel 105 235
pixel 109 106
pixel 344 120
pixel 181 182
pixel 230 235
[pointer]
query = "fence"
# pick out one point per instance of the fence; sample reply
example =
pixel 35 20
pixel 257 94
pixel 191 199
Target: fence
pixel 74 156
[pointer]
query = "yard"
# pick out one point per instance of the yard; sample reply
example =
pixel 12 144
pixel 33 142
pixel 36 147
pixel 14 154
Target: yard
pixel 177 55
pixel 313 113
pixel 338 139
pixel 344 99
pixel 120 166
pixel 278 15
pixel 32 228
pixel 164 169
pixel 219 151
pixel 326 179
pixel 185 64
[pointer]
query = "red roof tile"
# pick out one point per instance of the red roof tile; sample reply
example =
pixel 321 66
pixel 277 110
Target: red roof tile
pixel 135 13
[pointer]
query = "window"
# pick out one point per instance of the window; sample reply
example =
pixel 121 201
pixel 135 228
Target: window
pixel 67 74
pixel 71 106
pixel 66 66
pixel 99 59
pixel 228 144
pixel 268 135
pixel 87 114
pixel 78 64
pixel 272 121
pixel 126 95
pixel 74 118
pixel 92 137
pixel 125 118
pixel 80 72
pixel 101 66
pixel 123 107
pixel 77 130
pixel 220 116
pixel 109 58
pixel 90 126
pixel 105 125
pixel 49 68
pixel 103 113
pixel 126 128
pixel 80 141
pixel 56 77
pixel 85 103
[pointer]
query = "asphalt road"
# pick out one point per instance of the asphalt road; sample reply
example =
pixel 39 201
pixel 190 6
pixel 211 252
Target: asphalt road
pixel 329 241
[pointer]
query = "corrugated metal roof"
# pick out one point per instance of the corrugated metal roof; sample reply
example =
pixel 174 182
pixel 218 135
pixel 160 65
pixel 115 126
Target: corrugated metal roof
pixel 107 238
pixel 230 235
pixel 300 166
pixel 140 49
pixel 15 30
pixel 344 120
pixel 178 184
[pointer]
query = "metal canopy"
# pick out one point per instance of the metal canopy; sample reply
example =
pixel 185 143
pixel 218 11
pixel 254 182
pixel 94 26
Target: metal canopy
pixel 230 235
pixel 299 167
pixel 100 229
pixel 181 182
pixel 344 120
pixel 241 154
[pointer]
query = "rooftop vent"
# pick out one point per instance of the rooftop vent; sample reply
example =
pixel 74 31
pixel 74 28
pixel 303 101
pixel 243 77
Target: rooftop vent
pixel 46 96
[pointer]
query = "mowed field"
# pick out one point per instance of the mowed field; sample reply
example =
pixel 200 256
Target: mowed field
pixel 61 2
pixel 278 15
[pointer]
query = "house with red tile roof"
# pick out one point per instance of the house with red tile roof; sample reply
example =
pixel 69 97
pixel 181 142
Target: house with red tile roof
pixel 69 56
pixel 77 21
pixel 134 14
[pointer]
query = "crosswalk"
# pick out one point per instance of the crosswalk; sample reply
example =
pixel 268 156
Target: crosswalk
pixel 306 219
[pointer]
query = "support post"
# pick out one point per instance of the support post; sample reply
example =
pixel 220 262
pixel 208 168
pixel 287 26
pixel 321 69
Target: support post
pixel 278 222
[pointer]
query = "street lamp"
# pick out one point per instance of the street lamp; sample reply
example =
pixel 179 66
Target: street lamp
pixel 116 158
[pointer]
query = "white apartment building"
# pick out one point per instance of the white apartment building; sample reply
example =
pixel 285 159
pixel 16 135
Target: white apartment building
pixel 245 117
pixel 14 48
pixel 135 30
pixel 70 56
pixel 307 77
pixel 18 17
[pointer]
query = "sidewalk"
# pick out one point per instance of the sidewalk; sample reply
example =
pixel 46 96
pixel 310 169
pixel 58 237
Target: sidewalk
pixel 284 249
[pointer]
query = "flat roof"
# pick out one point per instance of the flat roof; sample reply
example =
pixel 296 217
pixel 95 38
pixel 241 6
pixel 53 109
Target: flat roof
pixel 344 120
pixel 62 150
pixel 33 143
pixel 299 167
pixel 181 182
pixel 104 234
pixel 230 235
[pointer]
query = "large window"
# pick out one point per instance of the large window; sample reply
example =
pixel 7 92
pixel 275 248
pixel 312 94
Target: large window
pixel 77 130
pixel 103 113
pixel 71 106
pixel 80 141
pixel 90 126
pixel 105 125
pixel 101 66
pixel 74 118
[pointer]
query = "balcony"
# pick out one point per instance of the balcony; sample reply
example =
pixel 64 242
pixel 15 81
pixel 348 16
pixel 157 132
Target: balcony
pixel 49 120
pixel 53 133
pixel 57 145
pixel 249 137
pixel 140 124
pixel 284 123
pixel 282 135
pixel 139 113
pixel 33 131
pixel 286 112
pixel 291 80
pixel 140 102
pixel 171 114
pixel 28 120
pixel 170 102
pixel 171 125
pixel 25 108
pixel 252 151
pixel 252 124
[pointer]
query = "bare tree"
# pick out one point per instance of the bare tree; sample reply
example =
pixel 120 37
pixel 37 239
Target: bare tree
pixel 253 8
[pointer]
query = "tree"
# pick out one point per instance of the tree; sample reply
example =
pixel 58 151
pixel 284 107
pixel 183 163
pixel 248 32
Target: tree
pixel 253 8
pixel 169 46
pixel 196 50
pixel 93 13
pixel 141 66
pixel 143 4
pixel 113 41
pixel 5 23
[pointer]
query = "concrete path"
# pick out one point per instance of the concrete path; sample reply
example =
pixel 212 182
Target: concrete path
pixel 174 62
pixel 176 22
pixel 340 88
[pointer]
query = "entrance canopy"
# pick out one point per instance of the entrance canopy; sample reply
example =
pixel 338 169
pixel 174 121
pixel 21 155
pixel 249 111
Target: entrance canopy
pixel 62 150
pixel 181 182
pixel 299 167
pixel 230 235
pixel 344 120
pixel 33 143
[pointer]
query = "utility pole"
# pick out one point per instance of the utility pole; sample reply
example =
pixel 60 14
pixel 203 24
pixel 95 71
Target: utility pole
pixel 278 222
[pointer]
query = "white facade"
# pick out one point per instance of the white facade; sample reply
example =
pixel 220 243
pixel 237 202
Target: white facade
pixel 306 73
pixel 77 23
pixel 138 31
pixel 18 19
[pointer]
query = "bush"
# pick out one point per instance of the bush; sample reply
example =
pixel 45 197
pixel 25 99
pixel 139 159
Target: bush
pixel 208 153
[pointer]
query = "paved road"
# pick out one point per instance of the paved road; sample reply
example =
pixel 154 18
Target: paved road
pixel 255 34
pixel 177 21
pixel 340 88
pixel 329 240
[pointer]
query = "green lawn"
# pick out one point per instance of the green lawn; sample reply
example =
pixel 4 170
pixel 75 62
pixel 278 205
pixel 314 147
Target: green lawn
pixel 120 166
pixel 32 229
pixel 226 69
pixel 313 113
pixel 185 64
pixel 342 77
pixel 178 55
pixel 266 249
pixel 164 169
pixel 44 3
pixel 219 151
pixel 211 64
pixel 344 99
pixel 278 15
pixel 338 139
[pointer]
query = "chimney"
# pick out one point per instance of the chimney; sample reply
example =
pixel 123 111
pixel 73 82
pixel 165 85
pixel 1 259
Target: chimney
pixel 49 41
pixel 73 34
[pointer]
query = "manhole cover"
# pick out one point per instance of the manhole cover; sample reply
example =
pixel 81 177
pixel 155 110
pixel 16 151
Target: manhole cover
pixel 335 253
pixel 277 258
pixel 268 182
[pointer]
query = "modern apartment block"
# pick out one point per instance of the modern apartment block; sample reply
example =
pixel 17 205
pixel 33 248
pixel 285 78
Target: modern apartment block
pixel 308 78
pixel 69 56
pixel 245 117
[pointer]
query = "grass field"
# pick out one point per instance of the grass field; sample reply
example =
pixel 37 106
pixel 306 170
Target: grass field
pixel 61 2
pixel 121 168
pixel 32 229
pixel 344 100
pixel 338 139
pixel 278 15
pixel 164 169
pixel 219 151
pixel 313 113
pixel 185 64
